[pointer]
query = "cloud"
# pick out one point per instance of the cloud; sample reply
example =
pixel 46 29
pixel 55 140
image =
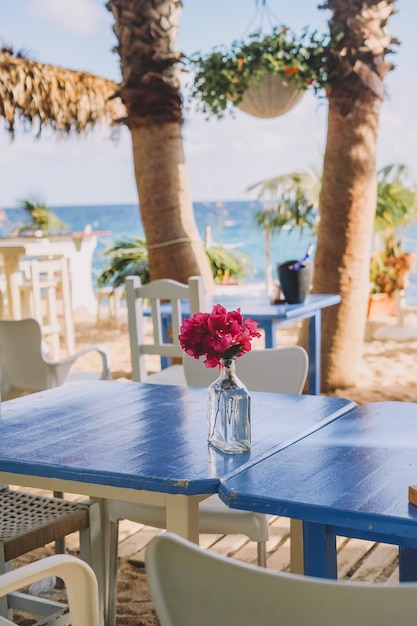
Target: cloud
pixel 82 17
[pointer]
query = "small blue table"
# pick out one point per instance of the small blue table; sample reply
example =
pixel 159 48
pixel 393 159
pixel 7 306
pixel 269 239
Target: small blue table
pixel 270 316
pixel 349 478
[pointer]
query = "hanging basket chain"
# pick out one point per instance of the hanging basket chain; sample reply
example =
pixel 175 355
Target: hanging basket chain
pixel 262 13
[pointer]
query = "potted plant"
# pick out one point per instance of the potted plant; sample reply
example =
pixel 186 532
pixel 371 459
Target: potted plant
pixel 265 75
pixel 389 274
pixel 390 264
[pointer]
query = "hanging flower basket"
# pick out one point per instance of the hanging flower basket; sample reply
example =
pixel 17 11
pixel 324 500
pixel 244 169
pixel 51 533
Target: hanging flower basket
pixel 274 96
pixel 265 76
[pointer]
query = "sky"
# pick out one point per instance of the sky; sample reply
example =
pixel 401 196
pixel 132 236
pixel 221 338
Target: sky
pixel 224 157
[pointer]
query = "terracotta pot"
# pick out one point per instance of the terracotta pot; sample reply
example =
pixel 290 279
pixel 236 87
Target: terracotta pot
pixel 382 304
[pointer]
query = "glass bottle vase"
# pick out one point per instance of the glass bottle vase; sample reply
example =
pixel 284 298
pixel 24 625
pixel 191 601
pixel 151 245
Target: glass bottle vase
pixel 228 406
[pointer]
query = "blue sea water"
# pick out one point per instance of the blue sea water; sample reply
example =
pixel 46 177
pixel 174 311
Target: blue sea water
pixel 232 224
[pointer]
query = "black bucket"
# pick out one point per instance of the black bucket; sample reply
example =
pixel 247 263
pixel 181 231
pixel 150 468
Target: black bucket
pixel 295 283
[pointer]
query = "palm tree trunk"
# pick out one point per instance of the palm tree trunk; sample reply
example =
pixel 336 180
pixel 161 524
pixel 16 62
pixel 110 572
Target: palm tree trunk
pixel 173 241
pixel 349 187
pixel 146 32
pixel 347 208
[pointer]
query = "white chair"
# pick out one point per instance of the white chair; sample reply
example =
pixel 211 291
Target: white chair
pixel 79 579
pixel 139 298
pixel 29 521
pixel 113 298
pixel 24 366
pixel 192 586
pixel 274 370
pixel 45 284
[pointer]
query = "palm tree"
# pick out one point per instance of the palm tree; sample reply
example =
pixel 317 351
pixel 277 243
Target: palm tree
pixel 348 195
pixel 146 31
pixel 396 202
pixel 40 96
pixel 129 257
pixel 290 201
pixel 43 220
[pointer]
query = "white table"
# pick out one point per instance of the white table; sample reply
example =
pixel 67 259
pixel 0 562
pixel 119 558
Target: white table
pixel 79 248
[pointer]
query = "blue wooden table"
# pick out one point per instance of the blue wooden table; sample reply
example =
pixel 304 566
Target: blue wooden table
pixel 271 316
pixel 349 478
pixel 141 442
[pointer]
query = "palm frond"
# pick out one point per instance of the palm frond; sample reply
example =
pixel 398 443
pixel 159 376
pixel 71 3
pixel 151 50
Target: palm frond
pixel 42 218
pixel 289 200
pixel 128 257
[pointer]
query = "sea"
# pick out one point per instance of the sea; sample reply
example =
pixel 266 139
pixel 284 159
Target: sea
pixel 230 224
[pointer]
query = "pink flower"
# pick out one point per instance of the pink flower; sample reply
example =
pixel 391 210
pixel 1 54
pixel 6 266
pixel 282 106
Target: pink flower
pixel 216 335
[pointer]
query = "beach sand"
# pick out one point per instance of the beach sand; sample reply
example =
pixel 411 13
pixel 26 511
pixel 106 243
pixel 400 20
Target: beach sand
pixel 389 372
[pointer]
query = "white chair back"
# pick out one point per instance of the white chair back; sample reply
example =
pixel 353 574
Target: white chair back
pixel 277 370
pixel 23 364
pixel 80 583
pixel 21 359
pixel 144 304
pixel 45 283
pixel 213 589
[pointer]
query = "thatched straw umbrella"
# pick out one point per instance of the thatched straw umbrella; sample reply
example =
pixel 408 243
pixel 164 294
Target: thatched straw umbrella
pixel 64 100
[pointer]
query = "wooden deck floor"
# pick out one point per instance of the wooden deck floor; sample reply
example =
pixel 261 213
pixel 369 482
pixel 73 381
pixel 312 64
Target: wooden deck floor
pixel 357 559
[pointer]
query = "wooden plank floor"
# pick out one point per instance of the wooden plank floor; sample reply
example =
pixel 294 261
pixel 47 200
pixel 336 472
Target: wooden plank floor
pixel 357 560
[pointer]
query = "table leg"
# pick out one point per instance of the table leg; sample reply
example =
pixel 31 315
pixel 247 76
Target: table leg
pixel 314 346
pixel 269 330
pixel 296 546
pixel 81 260
pixel 166 325
pixel 408 564
pixel 320 557
pixel 182 516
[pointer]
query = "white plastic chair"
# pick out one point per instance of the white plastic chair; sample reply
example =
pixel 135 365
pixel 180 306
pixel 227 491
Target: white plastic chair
pixel 192 586
pixel 46 283
pixel 139 298
pixel 79 579
pixel 29 521
pixel 24 365
pixel 274 370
